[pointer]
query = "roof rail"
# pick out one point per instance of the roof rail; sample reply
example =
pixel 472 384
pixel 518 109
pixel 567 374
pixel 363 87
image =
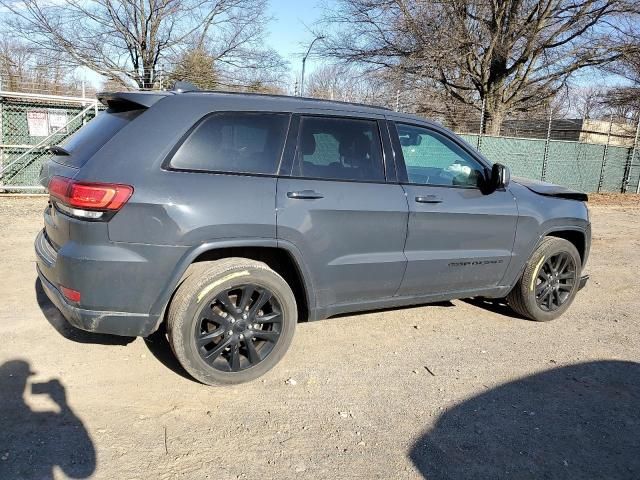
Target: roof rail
pixel 289 97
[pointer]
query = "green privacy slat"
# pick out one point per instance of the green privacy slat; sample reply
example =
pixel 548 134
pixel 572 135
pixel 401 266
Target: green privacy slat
pixel 614 168
pixel 573 164
pixel 634 173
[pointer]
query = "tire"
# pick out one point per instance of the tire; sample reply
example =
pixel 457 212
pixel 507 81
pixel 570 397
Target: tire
pixel 207 311
pixel 532 297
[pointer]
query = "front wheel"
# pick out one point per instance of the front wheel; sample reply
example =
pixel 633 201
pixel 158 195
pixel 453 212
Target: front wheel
pixel 549 282
pixel 232 321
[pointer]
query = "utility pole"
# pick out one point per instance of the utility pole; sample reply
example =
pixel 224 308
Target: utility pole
pixel 304 61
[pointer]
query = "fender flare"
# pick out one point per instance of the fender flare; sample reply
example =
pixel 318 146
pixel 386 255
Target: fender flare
pixel 558 228
pixel 187 259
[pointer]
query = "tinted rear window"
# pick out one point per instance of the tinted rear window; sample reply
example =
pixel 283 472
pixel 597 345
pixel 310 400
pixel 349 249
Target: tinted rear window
pixel 83 144
pixel 339 149
pixel 234 142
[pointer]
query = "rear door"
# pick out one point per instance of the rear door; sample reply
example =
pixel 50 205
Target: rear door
pixel 339 211
pixel 458 239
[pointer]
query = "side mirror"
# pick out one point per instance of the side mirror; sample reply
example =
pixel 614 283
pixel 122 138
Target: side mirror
pixel 500 176
pixel 496 178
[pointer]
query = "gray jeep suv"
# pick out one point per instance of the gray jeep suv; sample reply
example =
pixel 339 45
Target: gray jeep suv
pixel 227 218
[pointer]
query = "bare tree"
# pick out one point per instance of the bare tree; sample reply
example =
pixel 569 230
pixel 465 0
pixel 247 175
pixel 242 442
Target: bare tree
pixel 22 69
pixel 589 102
pixel 514 55
pixel 349 84
pixel 127 40
pixel 626 97
pixel 197 67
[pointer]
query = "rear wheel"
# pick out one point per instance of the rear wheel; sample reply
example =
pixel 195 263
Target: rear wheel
pixel 549 282
pixel 232 321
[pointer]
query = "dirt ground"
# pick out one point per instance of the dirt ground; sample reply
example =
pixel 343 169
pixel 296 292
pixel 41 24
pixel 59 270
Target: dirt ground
pixel 454 390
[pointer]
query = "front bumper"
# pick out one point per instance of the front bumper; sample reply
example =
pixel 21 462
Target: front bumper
pixel 114 323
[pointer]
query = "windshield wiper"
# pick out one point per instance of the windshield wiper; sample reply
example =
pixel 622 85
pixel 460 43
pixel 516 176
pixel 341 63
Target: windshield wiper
pixel 58 150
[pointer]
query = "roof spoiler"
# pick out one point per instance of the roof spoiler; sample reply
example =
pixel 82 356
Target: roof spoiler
pixel 126 100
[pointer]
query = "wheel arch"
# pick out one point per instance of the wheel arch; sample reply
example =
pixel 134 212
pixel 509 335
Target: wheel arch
pixel 282 257
pixel 575 236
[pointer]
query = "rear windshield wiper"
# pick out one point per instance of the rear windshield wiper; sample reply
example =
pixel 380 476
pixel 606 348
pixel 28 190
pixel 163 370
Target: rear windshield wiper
pixel 58 150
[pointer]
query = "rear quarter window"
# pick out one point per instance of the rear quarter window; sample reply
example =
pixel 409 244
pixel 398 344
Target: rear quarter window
pixel 234 142
pixel 83 144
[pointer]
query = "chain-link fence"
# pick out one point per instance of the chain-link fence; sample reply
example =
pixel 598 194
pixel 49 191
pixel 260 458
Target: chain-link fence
pixel 587 155
pixel 29 124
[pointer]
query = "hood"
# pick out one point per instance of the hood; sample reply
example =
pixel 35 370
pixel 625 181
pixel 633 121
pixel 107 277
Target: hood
pixel 551 190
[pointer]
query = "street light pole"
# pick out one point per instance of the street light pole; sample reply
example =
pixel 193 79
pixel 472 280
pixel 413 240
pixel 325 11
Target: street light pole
pixel 304 62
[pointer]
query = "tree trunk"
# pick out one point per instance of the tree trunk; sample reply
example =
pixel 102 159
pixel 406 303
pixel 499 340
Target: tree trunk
pixel 494 115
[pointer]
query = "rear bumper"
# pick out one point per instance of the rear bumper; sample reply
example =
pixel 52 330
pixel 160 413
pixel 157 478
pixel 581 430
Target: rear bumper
pixel 119 283
pixel 114 323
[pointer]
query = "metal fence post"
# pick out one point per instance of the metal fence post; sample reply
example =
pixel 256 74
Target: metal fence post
pixel 604 154
pixel 1 131
pixel 545 157
pixel 633 153
pixel 627 169
pixel 84 95
pixel 479 142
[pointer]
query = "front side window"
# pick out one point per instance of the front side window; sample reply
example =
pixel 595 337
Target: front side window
pixel 339 149
pixel 234 142
pixel 432 159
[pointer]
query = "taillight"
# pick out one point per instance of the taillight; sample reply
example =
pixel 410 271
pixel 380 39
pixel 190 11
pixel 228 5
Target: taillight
pixel 88 199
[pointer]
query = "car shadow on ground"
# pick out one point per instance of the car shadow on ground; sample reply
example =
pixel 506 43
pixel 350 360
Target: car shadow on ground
pixel 159 347
pixel 34 442
pixel 443 304
pixel 578 421
pixel 495 305
pixel 156 343
pixel 68 331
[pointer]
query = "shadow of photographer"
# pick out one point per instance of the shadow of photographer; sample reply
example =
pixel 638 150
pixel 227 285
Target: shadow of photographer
pixel 33 443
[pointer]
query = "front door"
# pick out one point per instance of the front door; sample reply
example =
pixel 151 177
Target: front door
pixel 338 210
pixel 459 239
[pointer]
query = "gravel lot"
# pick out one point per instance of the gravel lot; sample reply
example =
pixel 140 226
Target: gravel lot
pixel 454 390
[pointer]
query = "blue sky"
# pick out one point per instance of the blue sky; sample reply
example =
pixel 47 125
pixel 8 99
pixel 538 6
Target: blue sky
pixel 288 32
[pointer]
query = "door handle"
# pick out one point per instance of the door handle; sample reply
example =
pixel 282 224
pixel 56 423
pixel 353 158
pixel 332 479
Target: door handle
pixel 429 199
pixel 305 195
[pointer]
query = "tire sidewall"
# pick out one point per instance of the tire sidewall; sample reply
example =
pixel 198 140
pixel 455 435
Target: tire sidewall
pixel 262 277
pixel 533 267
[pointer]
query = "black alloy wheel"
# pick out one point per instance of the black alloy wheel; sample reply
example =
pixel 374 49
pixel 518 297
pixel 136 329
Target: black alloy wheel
pixel 555 281
pixel 238 328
